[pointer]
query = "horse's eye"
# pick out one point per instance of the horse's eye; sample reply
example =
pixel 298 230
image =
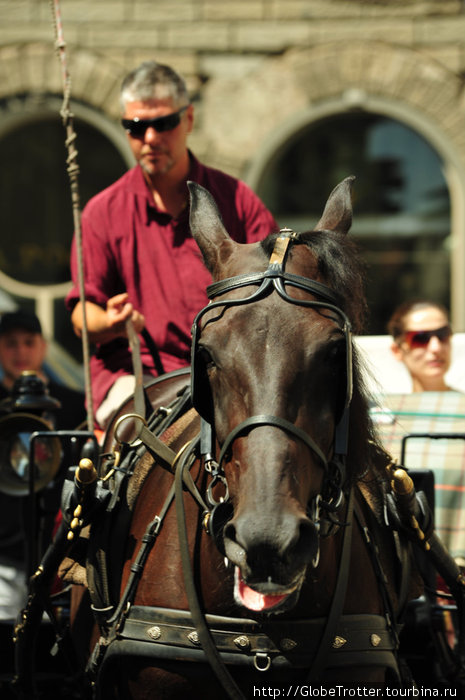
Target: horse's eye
pixel 205 358
pixel 336 352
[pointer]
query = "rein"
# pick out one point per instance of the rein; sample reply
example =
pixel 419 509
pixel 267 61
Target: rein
pixel 198 617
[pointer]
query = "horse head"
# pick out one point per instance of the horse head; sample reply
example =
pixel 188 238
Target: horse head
pixel 272 373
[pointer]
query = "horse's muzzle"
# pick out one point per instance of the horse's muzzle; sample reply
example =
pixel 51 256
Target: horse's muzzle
pixel 271 559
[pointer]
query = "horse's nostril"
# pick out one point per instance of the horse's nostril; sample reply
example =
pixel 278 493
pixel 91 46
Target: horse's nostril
pixel 230 532
pixel 306 546
pixel 293 544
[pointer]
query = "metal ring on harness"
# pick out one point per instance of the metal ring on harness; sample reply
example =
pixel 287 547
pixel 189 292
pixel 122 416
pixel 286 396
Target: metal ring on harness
pixel 217 478
pixel 262 656
pixel 123 422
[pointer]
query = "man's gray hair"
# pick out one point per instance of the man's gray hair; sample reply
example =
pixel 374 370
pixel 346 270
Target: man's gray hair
pixel 152 80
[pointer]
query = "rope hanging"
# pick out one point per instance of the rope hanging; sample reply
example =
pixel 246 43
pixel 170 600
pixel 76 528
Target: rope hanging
pixel 73 172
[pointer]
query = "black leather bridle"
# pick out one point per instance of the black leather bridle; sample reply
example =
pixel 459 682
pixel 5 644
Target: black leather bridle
pixel 275 278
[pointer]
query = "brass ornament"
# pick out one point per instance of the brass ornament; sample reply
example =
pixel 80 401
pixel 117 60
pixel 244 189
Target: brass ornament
pixel 154 632
pixel 338 642
pixel 193 637
pixel 287 644
pixel 242 642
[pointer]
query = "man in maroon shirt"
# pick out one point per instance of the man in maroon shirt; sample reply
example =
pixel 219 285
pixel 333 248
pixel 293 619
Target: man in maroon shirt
pixel 140 260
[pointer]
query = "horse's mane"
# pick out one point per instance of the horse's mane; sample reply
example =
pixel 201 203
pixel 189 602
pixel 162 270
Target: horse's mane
pixel 342 269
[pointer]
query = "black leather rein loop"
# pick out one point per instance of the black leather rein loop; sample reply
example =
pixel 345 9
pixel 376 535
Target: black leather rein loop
pixel 255 421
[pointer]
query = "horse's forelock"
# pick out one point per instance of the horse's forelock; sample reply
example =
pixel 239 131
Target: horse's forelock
pixel 340 267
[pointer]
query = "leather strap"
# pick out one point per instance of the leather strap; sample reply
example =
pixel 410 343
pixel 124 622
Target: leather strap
pixel 204 635
pixel 148 540
pixel 294 640
pixel 149 341
pixel 275 421
pixel 263 278
pixel 134 344
pixel 339 596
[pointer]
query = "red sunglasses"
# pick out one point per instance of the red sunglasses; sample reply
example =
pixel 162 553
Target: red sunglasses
pixel 420 339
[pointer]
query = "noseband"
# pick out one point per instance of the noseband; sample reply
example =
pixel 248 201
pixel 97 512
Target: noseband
pixel 275 278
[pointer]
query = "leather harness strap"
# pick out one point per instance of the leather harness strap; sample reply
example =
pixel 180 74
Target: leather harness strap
pixel 373 552
pixel 137 567
pixel 339 597
pixel 274 421
pixel 204 634
pixel 134 344
pixel 358 638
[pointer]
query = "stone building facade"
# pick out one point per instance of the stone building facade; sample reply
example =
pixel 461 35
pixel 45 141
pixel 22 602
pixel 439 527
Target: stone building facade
pixel 259 71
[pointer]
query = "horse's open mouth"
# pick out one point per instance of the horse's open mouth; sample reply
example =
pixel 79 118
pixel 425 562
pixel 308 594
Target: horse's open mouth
pixel 259 602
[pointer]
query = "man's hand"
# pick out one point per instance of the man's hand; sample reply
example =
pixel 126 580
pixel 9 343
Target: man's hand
pixel 107 324
pixel 119 310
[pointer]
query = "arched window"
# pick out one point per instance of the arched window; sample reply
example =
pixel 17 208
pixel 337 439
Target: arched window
pixel 36 216
pixel 401 202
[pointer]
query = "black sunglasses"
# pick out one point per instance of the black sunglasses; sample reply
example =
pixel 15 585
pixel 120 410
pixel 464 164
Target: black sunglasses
pixel 137 127
pixel 420 339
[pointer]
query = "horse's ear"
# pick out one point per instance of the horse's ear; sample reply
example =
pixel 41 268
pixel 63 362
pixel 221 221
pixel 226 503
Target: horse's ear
pixel 337 215
pixel 206 224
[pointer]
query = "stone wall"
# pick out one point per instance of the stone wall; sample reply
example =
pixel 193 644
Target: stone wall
pixel 248 63
pixel 257 70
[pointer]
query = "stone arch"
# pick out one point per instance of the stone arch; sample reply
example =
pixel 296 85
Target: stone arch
pixel 288 92
pixel 283 86
pixel 32 68
pixel 31 88
pixel 35 71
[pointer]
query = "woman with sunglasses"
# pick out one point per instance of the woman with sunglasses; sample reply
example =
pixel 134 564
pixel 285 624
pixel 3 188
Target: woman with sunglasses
pixel 422 341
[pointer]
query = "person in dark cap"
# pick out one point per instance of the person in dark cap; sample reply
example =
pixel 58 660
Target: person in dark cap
pixel 23 348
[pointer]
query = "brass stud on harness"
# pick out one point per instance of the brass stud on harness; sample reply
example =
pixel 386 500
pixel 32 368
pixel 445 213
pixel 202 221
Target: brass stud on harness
pixel 375 639
pixel 242 642
pixel 287 644
pixel 206 522
pixel 338 642
pixel 154 632
pixel 86 475
pixel 403 486
pixel 193 637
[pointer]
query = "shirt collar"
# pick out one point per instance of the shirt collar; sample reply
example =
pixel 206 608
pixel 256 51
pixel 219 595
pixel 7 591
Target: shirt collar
pixel 139 186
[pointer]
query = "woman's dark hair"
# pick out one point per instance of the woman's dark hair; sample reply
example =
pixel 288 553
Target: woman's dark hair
pixel 396 324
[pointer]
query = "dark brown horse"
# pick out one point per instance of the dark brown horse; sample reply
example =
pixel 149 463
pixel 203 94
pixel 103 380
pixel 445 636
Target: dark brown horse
pixel 259 556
